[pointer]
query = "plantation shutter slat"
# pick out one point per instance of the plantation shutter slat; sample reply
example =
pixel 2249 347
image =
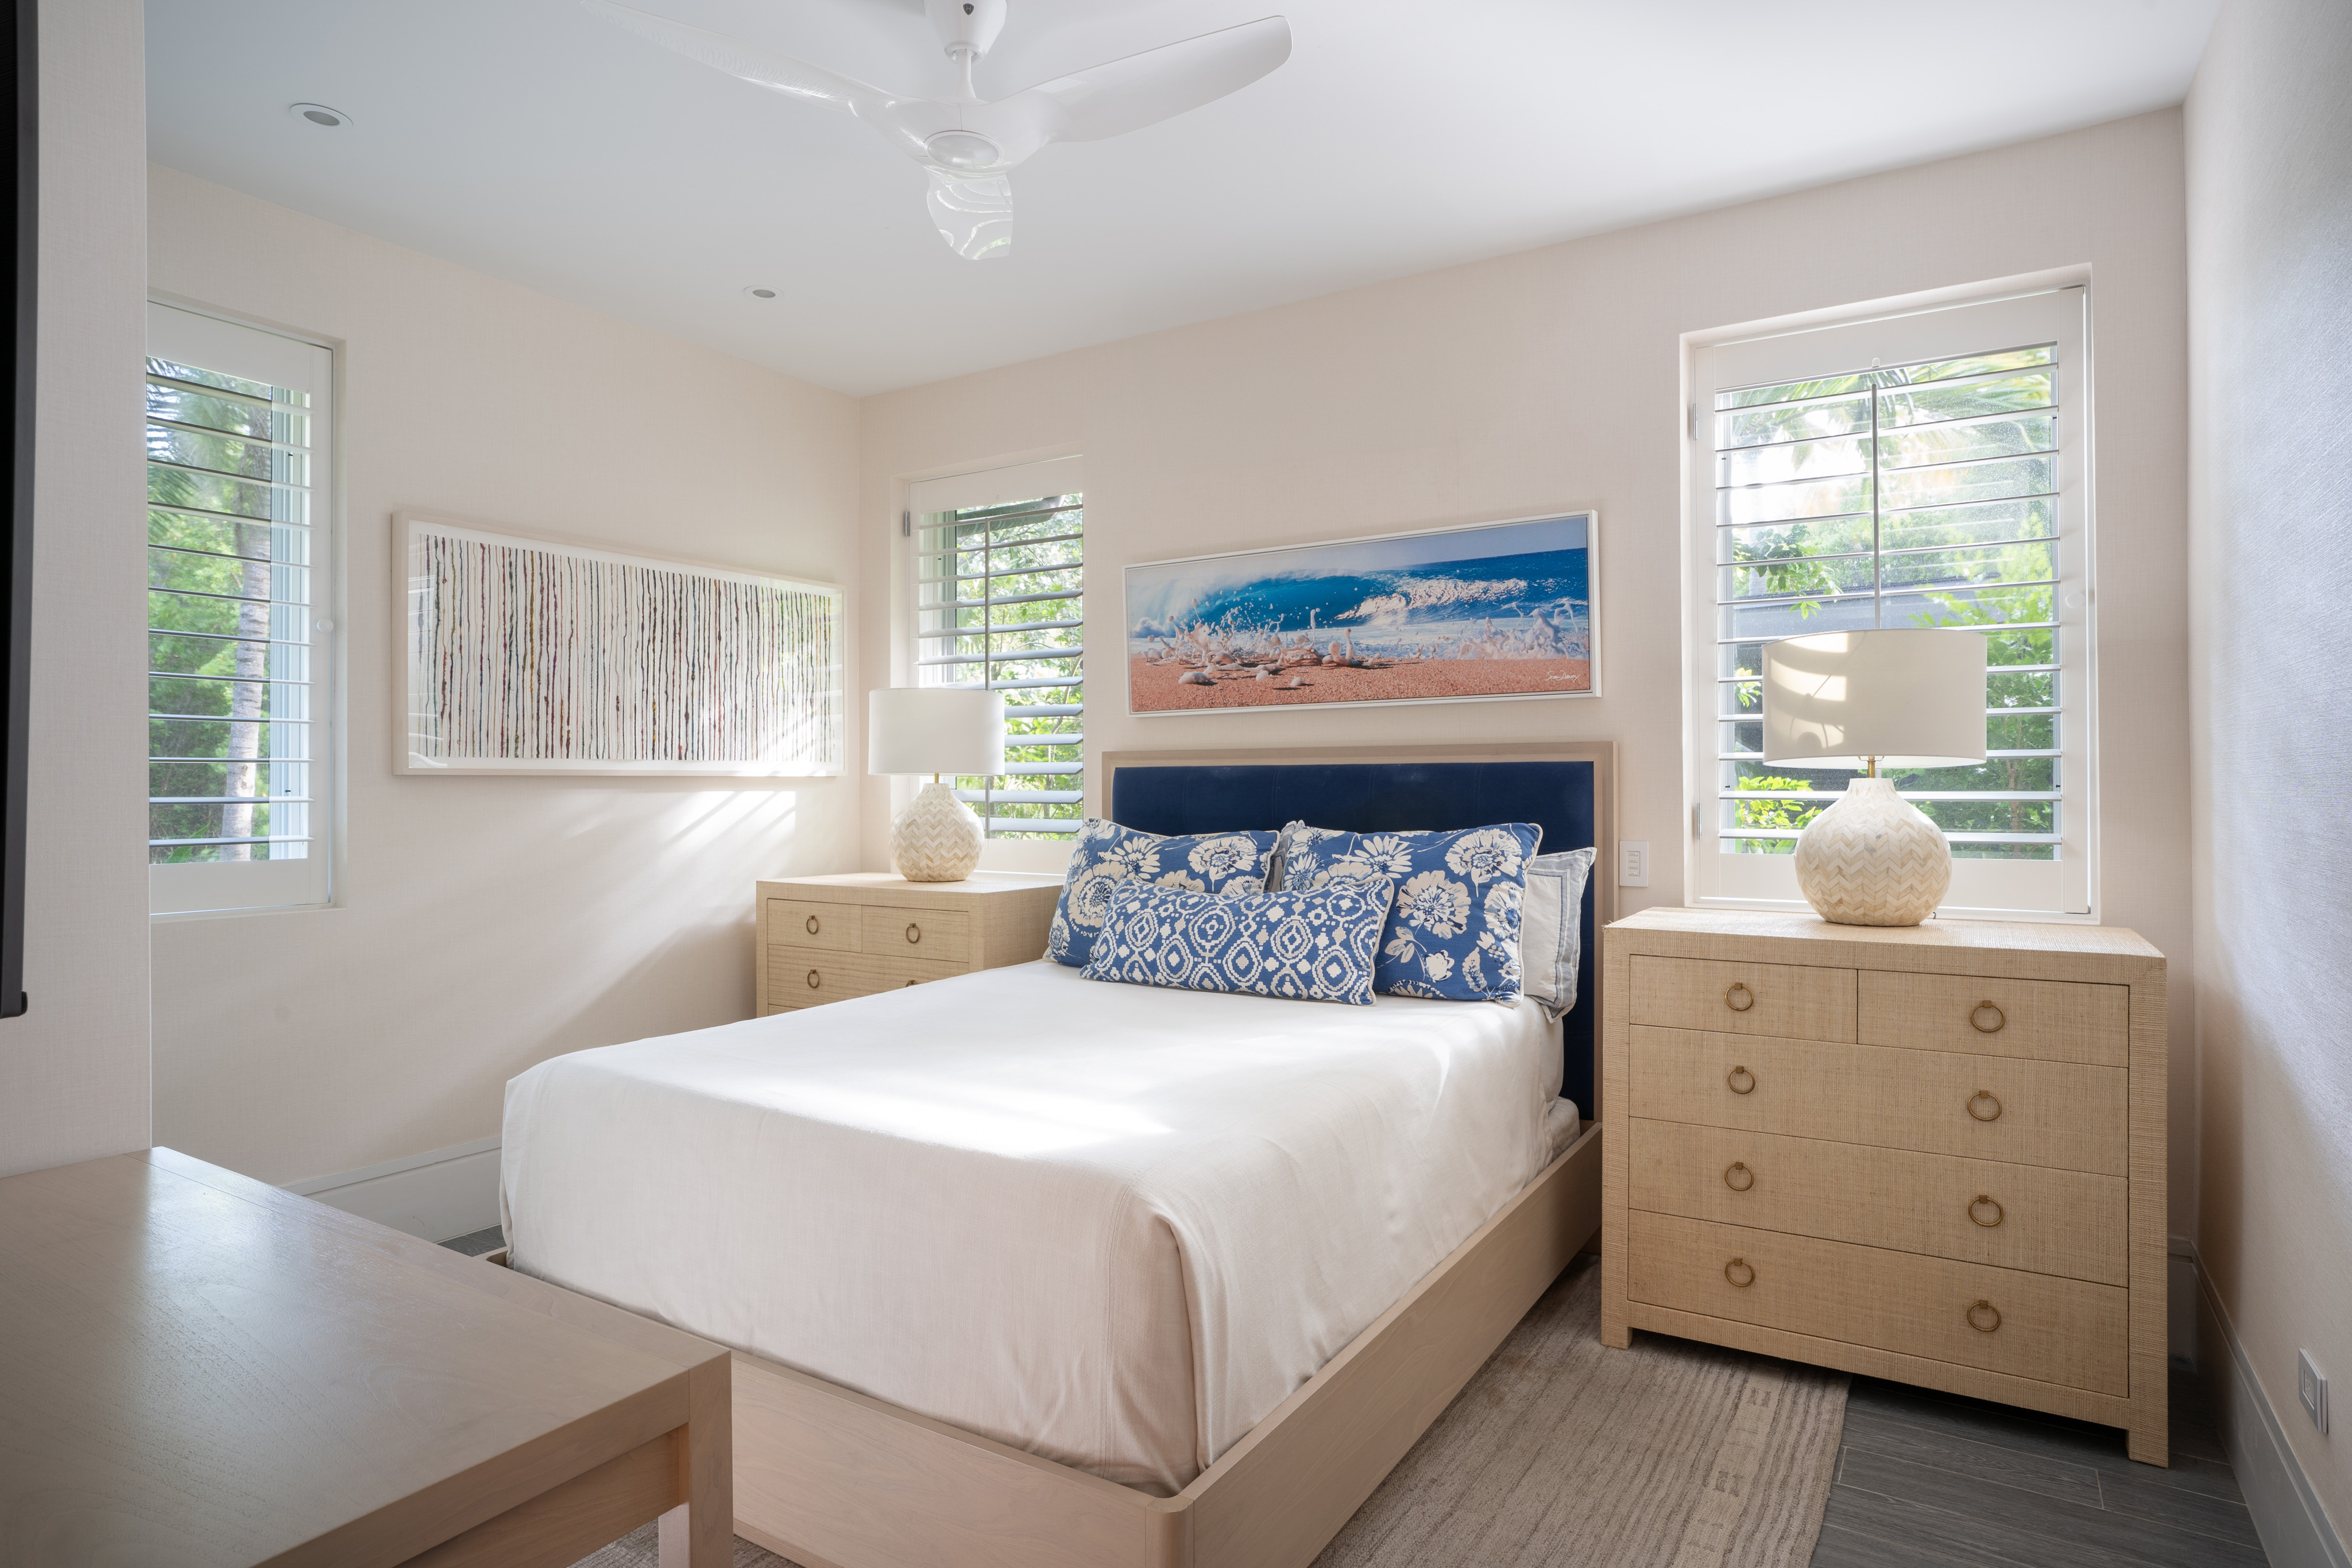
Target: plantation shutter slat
pixel 999 586
pixel 1912 494
pixel 236 454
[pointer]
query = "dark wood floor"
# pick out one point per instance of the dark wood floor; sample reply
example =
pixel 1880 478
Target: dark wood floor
pixel 479 1242
pixel 1945 1482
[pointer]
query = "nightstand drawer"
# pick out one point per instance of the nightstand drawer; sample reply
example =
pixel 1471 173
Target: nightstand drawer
pixel 2068 1223
pixel 2056 1021
pixel 829 928
pixel 803 978
pixel 940 935
pixel 1981 1107
pixel 2068 1331
pixel 1790 1000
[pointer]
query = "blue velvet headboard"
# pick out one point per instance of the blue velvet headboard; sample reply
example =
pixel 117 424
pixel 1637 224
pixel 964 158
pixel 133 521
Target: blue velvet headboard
pixel 1565 789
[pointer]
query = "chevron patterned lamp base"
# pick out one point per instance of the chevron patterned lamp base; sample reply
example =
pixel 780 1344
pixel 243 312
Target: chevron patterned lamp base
pixel 938 839
pixel 1874 859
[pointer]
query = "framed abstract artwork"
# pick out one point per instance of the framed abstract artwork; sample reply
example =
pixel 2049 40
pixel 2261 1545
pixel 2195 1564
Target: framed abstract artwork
pixel 1486 611
pixel 527 654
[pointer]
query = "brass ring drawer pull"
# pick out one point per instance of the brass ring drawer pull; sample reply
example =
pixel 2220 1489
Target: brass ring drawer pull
pixel 1746 1268
pixel 1738 999
pixel 914 932
pixel 1990 1098
pixel 1977 1019
pixel 1977 1314
pixel 1747 1177
pixel 1985 1201
pixel 813 980
pixel 811 926
pixel 1732 1081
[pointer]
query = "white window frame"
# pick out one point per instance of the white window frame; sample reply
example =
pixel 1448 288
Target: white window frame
pixel 2064 889
pixel 194 335
pixel 971 489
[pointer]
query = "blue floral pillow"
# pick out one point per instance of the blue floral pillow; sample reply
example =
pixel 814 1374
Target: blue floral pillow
pixel 1454 931
pixel 1307 946
pixel 1108 854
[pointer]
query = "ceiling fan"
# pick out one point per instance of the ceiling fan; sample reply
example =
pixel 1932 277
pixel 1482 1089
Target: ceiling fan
pixel 970 147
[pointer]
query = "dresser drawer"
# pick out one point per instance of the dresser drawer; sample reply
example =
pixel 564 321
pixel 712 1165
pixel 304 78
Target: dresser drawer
pixel 2067 1332
pixel 2068 1223
pixel 804 976
pixel 2052 1114
pixel 828 927
pixel 1786 999
pixel 2056 1021
pixel 940 935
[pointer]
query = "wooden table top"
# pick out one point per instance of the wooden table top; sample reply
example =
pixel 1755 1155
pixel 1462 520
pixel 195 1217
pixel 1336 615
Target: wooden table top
pixel 197 1369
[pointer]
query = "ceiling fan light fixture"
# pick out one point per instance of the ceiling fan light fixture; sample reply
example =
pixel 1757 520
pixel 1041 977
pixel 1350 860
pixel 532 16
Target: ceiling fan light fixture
pixel 963 150
pixel 319 114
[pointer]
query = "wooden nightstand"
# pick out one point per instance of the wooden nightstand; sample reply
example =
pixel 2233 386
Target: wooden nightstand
pixel 1934 1154
pixel 828 938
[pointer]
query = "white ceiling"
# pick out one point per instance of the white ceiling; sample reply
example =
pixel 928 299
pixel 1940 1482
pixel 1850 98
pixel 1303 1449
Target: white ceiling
pixel 533 140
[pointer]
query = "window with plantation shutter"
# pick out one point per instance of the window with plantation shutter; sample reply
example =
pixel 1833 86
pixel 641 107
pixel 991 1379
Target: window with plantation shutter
pixel 1923 470
pixel 240 764
pixel 999 584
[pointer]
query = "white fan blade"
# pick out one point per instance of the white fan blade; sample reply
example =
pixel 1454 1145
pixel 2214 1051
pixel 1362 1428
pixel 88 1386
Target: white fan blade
pixel 749 62
pixel 1129 94
pixel 975 216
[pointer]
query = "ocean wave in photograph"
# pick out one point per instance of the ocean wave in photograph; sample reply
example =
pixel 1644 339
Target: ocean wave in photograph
pixel 1426 609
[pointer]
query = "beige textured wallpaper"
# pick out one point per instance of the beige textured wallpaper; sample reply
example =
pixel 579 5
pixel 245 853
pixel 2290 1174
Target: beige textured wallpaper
pixel 2270 237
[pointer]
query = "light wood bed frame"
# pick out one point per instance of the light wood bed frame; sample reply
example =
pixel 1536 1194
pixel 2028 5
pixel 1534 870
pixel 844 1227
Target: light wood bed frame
pixel 831 1478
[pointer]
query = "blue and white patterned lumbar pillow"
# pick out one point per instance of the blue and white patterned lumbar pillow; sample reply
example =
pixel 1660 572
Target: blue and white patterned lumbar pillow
pixel 1307 946
pixel 1108 854
pixel 1454 932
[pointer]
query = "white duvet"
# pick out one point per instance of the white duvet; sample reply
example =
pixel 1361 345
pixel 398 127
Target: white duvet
pixel 1111 1225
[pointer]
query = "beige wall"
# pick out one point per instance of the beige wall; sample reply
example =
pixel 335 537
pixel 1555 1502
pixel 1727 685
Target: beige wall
pixel 486 924
pixel 73 1070
pixel 2269 242
pixel 1550 379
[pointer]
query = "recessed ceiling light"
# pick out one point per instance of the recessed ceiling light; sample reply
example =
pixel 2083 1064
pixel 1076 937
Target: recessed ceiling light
pixel 318 114
pixel 757 292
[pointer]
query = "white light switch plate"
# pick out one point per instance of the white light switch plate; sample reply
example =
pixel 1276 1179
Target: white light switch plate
pixel 2311 1389
pixel 1633 863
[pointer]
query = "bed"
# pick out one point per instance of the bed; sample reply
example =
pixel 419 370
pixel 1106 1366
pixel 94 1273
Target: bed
pixel 1024 1269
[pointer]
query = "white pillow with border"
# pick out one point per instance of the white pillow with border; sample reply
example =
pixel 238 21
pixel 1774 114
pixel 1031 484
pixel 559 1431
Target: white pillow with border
pixel 1552 929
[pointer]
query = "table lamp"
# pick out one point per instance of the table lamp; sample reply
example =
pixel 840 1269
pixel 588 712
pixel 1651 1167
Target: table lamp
pixel 936 730
pixel 1874 700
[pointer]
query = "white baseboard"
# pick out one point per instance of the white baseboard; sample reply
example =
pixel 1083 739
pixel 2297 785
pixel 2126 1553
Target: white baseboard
pixel 2293 1521
pixel 436 1194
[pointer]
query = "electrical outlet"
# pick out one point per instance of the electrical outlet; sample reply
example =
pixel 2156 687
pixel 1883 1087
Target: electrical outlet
pixel 2311 1387
pixel 1633 863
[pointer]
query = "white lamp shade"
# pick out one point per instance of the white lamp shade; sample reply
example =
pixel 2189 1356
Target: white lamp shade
pixel 934 729
pixel 1911 698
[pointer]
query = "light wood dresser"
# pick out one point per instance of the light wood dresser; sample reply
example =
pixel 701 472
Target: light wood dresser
pixel 1934 1154
pixel 828 939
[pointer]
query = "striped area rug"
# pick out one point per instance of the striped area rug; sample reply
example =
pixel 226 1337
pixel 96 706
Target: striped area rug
pixel 1563 1454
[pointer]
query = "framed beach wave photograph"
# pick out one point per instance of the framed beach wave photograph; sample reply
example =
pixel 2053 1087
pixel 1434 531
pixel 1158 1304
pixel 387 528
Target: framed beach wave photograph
pixel 1456 614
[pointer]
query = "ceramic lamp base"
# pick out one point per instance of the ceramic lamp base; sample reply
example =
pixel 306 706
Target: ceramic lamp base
pixel 936 839
pixel 1874 859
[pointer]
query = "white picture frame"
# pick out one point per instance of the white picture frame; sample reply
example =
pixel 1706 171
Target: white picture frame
pixel 526 652
pixel 1401 640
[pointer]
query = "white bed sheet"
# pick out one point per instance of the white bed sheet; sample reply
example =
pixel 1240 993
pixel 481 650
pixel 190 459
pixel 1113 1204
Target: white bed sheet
pixel 1112 1225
